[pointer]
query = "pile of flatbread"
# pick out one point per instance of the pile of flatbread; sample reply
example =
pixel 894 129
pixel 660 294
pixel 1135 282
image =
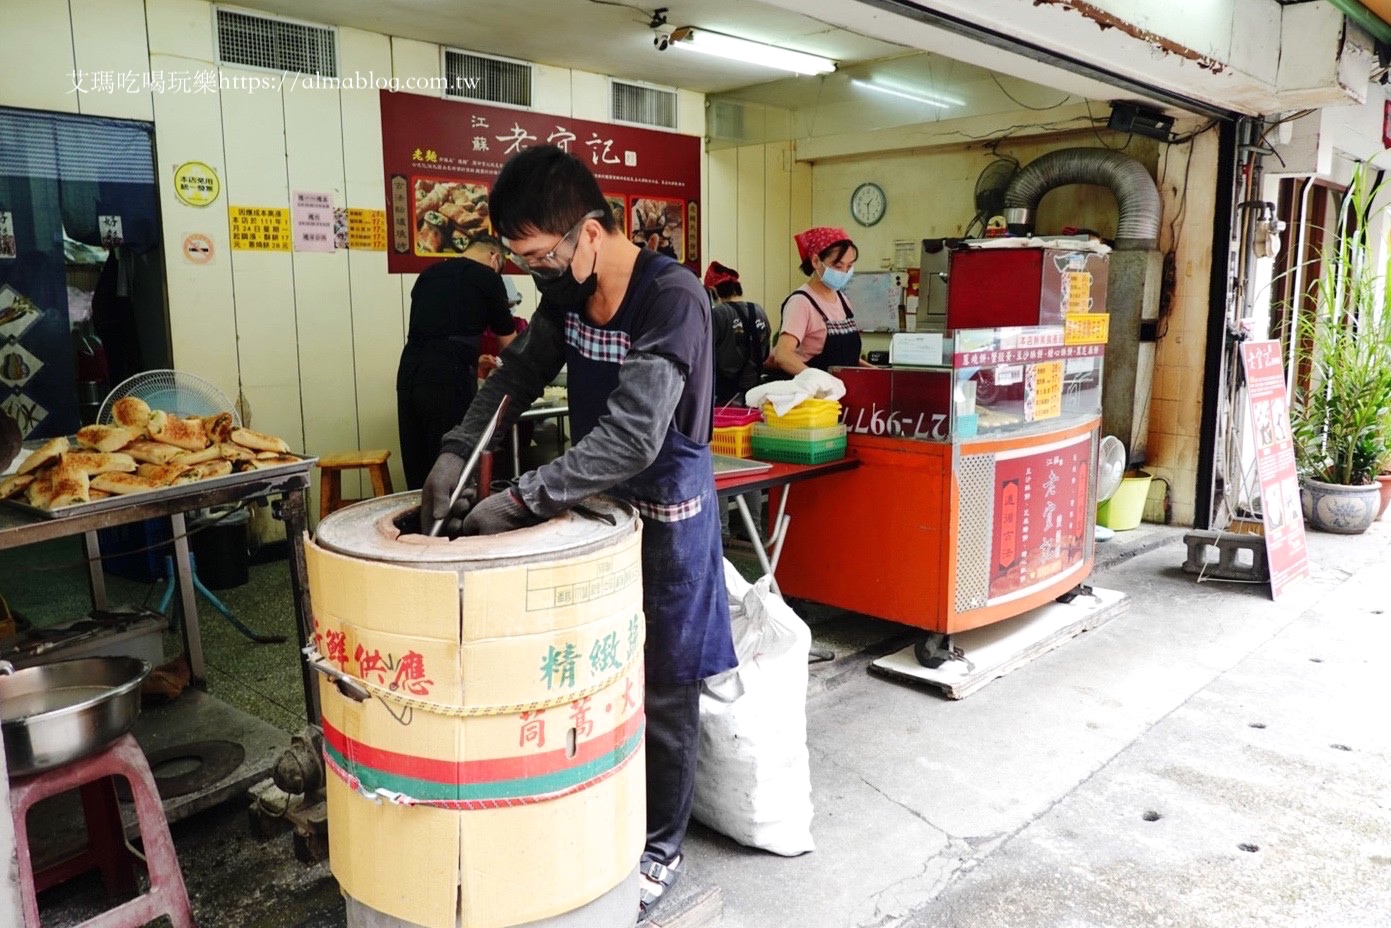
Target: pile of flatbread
pixel 143 450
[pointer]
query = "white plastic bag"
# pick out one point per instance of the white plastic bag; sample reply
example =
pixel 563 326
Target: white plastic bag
pixel 753 781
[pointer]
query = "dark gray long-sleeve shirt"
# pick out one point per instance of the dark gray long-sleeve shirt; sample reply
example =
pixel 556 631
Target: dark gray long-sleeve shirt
pixel 625 441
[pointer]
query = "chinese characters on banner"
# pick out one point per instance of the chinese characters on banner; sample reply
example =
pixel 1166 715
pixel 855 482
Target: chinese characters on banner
pixel 313 220
pixel 259 228
pixel 1270 429
pixel 1042 526
pixel 441 157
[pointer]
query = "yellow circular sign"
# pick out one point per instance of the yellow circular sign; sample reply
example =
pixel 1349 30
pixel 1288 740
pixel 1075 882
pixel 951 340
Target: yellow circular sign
pixel 196 184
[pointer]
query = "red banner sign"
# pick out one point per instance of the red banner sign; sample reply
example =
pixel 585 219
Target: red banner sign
pixel 1281 513
pixel 1041 525
pixel 441 157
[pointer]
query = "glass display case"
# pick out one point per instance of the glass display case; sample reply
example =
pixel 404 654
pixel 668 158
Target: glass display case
pixel 1014 380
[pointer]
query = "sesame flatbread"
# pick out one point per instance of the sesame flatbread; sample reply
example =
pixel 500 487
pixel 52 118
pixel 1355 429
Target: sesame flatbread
pixel 47 453
pixel 132 412
pixel 106 437
pixel 188 434
pixel 95 462
pixel 14 484
pixel 152 452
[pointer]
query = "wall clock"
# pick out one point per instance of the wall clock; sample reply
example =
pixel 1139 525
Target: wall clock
pixel 867 204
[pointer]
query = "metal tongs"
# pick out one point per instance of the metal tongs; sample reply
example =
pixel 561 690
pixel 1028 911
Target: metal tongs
pixel 472 462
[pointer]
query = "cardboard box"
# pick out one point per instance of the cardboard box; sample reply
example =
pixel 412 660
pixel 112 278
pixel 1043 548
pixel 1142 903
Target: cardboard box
pixel 497 777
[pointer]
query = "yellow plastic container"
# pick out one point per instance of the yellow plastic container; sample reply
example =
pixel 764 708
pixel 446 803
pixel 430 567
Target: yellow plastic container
pixel 734 440
pixel 808 414
pixel 1126 506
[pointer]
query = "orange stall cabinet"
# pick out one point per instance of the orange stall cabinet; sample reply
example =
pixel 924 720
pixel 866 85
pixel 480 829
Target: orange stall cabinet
pixel 975 498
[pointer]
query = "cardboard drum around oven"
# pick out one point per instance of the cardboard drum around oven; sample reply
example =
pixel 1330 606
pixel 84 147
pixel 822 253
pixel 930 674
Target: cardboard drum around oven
pixel 496 776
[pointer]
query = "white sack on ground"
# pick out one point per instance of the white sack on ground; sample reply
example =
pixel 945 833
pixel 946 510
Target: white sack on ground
pixel 753 781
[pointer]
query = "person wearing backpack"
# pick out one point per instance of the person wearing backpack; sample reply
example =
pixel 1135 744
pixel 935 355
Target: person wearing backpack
pixel 742 335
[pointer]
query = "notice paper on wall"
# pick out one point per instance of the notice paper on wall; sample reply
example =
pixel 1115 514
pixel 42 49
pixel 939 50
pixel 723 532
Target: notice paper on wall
pixel 259 228
pixel 313 221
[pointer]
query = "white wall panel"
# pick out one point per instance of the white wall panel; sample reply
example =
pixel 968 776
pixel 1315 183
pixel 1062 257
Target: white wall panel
pixel 202 308
pixel 263 282
pixel 181 27
pixel 778 252
pixel 550 90
pixel 722 207
pixel 323 299
pixel 109 36
pixel 36 48
pixel 410 58
pixel 378 330
pixel 750 218
pixel 589 96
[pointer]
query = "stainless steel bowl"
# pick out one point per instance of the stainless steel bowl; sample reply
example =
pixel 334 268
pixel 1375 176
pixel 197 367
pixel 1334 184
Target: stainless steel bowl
pixel 55 713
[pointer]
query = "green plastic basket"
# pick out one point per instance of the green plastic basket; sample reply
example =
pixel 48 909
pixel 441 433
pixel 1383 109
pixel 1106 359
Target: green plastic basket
pixel 772 444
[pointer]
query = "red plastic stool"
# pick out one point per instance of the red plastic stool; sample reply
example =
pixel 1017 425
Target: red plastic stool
pixel 123 758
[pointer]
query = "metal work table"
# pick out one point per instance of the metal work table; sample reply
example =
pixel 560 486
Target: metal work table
pixel 777 477
pixel 19 528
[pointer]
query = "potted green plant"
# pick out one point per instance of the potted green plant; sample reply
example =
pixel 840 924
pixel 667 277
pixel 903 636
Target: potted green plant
pixel 1341 415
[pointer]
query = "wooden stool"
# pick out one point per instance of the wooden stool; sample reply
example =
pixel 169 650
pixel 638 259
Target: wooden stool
pixel 106 837
pixel 331 467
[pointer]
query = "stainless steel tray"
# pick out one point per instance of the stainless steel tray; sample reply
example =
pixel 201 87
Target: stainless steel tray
pixel 163 493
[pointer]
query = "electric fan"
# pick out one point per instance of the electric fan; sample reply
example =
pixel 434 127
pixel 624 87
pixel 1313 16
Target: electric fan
pixel 989 195
pixel 174 392
pixel 1110 469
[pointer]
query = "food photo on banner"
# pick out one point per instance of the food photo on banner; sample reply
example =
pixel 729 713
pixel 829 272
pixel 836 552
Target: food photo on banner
pixel 441 157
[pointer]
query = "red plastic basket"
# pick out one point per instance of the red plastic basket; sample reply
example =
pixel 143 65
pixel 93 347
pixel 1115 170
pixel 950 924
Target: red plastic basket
pixel 731 416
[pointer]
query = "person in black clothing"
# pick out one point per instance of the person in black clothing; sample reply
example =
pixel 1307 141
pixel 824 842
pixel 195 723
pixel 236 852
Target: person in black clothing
pixel 742 335
pixel 451 305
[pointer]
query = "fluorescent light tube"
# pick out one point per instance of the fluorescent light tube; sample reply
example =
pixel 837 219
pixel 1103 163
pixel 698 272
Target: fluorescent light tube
pixel 942 102
pixel 749 52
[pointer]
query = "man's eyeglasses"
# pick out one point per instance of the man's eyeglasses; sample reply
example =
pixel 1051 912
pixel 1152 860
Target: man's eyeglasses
pixel 549 266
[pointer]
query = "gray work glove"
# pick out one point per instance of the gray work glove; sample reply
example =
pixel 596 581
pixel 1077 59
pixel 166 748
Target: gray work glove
pixel 501 512
pixel 434 496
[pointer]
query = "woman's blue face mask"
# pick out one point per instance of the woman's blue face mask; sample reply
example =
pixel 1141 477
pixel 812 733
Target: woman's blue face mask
pixel 836 280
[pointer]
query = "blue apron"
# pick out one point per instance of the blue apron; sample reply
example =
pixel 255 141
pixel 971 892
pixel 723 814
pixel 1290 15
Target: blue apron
pixel 683 595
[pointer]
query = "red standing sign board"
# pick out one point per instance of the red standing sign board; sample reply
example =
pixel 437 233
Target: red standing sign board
pixel 1042 527
pixel 1270 429
pixel 442 156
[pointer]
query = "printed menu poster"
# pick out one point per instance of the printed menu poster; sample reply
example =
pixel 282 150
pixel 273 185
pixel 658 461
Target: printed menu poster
pixel 1042 527
pixel 1281 513
pixel 367 229
pixel 442 156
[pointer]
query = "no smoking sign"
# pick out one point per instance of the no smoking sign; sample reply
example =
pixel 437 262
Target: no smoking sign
pixel 198 248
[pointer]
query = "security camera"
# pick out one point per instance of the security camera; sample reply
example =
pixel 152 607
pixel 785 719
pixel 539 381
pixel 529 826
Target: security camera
pixel 661 41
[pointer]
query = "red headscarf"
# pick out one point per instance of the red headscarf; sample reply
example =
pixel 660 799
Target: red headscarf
pixel 817 239
pixel 717 274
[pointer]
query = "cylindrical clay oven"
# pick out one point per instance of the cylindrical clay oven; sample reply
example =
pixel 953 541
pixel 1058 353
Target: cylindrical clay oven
pixel 495 775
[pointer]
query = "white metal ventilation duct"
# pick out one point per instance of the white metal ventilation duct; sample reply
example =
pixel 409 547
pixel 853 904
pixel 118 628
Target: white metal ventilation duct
pixel 1136 194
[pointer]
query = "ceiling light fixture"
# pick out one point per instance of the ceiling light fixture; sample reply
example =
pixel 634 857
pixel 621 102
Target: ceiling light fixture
pixel 916 96
pixel 732 48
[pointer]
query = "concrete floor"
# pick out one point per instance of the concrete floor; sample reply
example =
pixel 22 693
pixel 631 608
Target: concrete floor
pixel 1207 758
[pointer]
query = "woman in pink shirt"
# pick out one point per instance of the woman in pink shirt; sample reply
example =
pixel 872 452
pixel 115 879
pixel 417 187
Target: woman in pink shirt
pixel 818 324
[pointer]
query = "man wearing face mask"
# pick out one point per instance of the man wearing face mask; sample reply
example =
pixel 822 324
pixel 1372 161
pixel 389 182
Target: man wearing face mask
pixel 634 328
pixel 452 303
pixel 818 323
